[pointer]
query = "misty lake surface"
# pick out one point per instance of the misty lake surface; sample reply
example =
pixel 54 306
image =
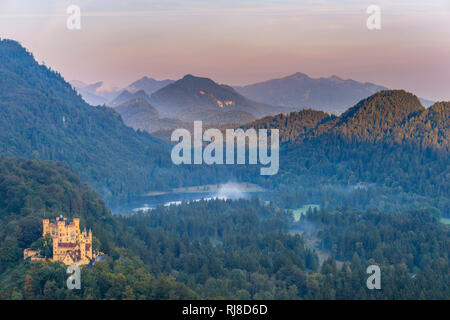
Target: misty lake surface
pixel 150 201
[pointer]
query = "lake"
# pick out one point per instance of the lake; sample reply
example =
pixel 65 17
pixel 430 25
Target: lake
pixel 151 200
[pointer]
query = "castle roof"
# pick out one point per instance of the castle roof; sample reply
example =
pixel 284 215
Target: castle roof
pixel 67 245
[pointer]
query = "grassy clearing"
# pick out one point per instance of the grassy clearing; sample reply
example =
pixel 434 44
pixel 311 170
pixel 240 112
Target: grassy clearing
pixel 297 213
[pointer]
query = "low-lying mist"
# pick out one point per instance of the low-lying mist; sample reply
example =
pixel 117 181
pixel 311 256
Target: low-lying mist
pixel 231 190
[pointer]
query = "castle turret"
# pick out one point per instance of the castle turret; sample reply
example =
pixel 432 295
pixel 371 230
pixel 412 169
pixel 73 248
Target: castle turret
pixel 45 226
pixel 76 221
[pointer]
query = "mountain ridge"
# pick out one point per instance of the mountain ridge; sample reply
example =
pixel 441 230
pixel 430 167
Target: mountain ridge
pixel 386 116
pixel 331 94
pixel 197 98
pixel 126 96
pixel 149 85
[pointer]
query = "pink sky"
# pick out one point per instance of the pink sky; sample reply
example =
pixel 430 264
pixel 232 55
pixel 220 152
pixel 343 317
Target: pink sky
pixel 239 42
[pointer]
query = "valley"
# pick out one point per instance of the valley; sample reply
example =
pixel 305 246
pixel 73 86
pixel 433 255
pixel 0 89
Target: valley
pixel 365 185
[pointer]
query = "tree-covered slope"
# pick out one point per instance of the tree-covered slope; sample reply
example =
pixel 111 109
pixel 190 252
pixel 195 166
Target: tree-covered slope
pixel 379 116
pixel 390 116
pixel 388 141
pixel 293 126
pixel 42 117
pixel 31 190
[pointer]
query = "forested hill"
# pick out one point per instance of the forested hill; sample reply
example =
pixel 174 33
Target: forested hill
pixel 31 190
pixel 42 117
pixel 390 116
pixel 389 141
pixel 294 125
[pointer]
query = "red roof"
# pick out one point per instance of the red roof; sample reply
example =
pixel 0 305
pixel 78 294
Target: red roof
pixel 67 245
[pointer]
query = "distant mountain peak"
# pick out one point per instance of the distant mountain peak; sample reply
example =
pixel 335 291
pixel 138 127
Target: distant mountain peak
pixel 190 77
pixel 126 96
pixel 145 79
pixel 148 84
pixel 298 75
pixel 397 103
pixel 199 98
pixel 335 78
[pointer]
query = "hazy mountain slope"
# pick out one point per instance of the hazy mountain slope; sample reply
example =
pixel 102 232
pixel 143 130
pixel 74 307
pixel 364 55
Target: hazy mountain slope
pixel 140 115
pixel 331 94
pixel 88 92
pixel 137 109
pixel 149 85
pixel 194 98
pixel 95 93
pixel 126 96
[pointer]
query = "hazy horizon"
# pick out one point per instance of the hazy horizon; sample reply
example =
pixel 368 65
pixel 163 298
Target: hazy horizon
pixel 239 42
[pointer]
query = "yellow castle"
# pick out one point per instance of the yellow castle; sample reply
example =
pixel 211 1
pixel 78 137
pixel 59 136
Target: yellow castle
pixel 70 246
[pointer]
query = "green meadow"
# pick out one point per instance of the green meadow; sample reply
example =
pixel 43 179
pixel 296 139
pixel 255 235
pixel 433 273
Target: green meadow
pixel 297 213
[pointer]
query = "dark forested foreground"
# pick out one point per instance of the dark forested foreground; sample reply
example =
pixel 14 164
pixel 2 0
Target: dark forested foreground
pixel 217 249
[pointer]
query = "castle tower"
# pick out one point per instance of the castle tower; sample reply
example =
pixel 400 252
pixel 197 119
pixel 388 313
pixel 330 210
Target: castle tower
pixel 45 226
pixel 89 245
pixel 55 250
pixel 76 221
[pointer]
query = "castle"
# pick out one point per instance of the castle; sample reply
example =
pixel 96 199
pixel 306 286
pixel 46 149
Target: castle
pixel 70 246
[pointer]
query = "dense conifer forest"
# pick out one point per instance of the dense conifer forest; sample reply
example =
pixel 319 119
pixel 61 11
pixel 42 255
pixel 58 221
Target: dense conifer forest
pixel 215 249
